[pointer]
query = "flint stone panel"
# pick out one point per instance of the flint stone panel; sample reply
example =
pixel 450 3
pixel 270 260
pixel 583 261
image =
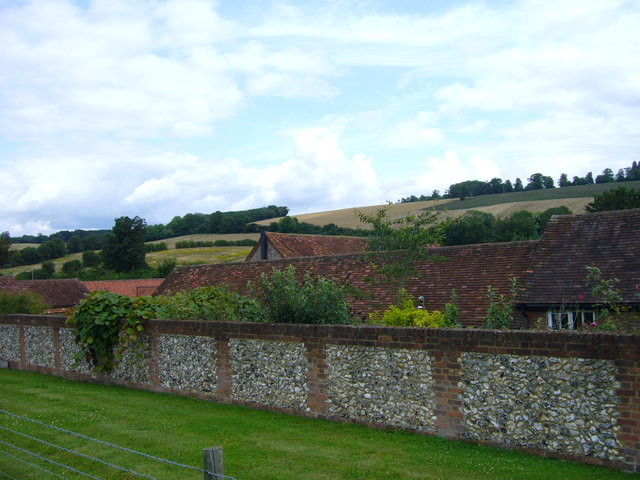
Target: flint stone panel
pixel 380 385
pixel 10 342
pixel 39 346
pixel 187 362
pixel 68 348
pixel 564 405
pixel 134 365
pixel 269 372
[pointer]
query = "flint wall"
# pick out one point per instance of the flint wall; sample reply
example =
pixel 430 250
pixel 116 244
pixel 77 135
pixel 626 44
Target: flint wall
pixel 557 394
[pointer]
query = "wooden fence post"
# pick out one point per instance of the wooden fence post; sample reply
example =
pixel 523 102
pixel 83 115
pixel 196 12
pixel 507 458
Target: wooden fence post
pixel 213 465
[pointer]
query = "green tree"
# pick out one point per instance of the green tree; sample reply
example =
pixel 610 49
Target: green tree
pixel 71 268
pixel 563 181
pixel 521 225
pixel 74 245
pixel 472 227
pixel 617 199
pixel 48 268
pixel 606 177
pixel 90 259
pixel 517 187
pixel 395 244
pixel 5 246
pixel 124 251
pixel 589 178
pixel 543 217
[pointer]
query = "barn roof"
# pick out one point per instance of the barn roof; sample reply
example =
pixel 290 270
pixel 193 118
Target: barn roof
pixel 130 288
pixel 607 240
pixel 468 269
pixel 290 245
pixel 56 293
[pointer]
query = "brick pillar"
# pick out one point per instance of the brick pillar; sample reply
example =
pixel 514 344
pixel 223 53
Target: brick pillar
pixel 629 408
pixel 447 399
pixel 317 394
pixel 223 368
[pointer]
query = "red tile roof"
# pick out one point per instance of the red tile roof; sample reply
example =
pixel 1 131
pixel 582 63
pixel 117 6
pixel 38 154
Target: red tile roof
pixel 130 288
pixel 289 245
pixel 607 240
pixel 468 269
pixel 57 293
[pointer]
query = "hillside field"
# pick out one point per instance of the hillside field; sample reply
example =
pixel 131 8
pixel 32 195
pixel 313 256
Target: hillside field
pixel 501 205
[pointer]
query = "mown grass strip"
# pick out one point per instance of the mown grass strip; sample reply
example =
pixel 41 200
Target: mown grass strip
pixel 260 445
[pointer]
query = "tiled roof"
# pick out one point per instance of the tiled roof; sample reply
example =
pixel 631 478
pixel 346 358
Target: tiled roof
pixel 130 288
pixel 289 245
pixel 468 269
pixel 58 293
pixel 607 240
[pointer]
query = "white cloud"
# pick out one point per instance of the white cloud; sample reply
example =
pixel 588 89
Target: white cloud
pixel 161 107
pixel 417 132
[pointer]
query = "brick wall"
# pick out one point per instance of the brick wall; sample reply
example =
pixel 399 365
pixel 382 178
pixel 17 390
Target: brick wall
pixel 556 394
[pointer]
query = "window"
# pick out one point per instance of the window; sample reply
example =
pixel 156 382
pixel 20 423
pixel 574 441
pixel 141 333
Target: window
pixel 571 320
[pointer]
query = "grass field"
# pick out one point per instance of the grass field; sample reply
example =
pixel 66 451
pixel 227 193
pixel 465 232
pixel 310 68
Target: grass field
pixel 257 445
pixel 502 205
pixel 183 256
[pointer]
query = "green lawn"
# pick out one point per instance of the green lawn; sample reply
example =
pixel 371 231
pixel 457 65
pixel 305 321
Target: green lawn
pixel 257 445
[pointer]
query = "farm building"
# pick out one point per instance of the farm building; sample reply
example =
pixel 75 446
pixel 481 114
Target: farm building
pixel 551 272
pixel 275 246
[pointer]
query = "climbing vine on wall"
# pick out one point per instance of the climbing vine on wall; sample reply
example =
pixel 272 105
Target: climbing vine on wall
pixel 105 324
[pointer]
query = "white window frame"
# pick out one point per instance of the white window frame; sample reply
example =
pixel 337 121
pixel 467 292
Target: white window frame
pixel 569 319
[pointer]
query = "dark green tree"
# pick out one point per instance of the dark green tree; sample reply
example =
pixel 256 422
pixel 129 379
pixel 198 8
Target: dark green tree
pixel 472 227
pixel 508 186
pixel 517 187
pixel 606 177
pixel 74 245
pixel 48 268
pixel 617 199
pixel 5 245
pixel 91 259
pixel 125 250
pixel 521 225
pixel 71 268
pixel 563 181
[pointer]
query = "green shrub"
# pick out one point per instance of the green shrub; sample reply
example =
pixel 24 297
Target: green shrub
pixel 105 324
pixel 407 315
pixel 501 307
pixel 28 302
pixel 316 299
pixel 209 303
pixel 166 266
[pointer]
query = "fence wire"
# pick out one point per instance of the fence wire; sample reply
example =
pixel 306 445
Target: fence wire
pixel 101 442
pixel 21 460
pixel 40 457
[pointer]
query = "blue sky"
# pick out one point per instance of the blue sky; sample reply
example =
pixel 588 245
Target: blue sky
pixel 159 108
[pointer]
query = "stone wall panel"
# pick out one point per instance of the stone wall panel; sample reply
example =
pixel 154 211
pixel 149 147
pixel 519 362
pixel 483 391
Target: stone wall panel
pixel 380 385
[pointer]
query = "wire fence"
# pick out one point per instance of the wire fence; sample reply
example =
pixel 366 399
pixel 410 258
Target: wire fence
pixel 47 451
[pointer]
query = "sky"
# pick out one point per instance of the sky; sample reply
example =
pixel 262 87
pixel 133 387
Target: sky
pixel 158 108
